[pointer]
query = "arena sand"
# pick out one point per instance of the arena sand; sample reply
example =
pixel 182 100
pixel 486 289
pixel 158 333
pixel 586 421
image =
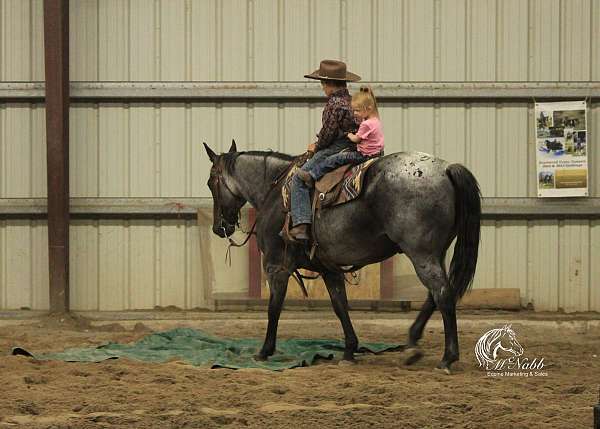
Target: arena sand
pixel 378 391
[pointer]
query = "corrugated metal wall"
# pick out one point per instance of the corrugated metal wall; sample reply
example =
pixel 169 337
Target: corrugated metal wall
pixel 154 149
pixel 277 40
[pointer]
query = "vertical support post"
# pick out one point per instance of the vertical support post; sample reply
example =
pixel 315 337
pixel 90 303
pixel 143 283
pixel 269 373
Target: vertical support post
pixel 56 55
pixel 386 279
pixel 254 262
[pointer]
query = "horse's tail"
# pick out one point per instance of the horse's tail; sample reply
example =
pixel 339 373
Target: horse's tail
pixel 467 224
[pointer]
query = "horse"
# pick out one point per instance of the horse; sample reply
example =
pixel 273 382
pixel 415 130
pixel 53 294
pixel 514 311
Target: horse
pixel 411 203
pixel 492 342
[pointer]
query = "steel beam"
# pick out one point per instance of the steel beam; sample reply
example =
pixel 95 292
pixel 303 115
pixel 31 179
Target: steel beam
pixel 386 279
pixel 56 53
pixel 281 91
pixel 492 208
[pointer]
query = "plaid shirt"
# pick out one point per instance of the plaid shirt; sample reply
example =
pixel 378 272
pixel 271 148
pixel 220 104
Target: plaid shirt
pixel 338 119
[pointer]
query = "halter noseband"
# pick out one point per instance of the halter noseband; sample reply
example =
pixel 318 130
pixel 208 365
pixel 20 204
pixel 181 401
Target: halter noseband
pixel 218 176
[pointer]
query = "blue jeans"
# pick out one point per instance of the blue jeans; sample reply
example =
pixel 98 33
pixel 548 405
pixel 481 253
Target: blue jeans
pixel 301 208
pixel 337 160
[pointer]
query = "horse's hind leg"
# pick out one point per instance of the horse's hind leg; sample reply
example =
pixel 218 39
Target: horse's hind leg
pixel 413 353
pixel 278 282
pixel 339 301
pixel 416 330
pixel 434 277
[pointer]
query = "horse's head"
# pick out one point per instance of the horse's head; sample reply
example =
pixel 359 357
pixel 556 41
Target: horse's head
pixel 227 200
pixel 508 341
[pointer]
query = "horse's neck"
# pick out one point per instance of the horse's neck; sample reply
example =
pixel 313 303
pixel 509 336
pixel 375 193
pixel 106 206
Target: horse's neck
pixel 254 175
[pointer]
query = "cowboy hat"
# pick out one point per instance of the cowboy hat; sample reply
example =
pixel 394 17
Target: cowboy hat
pixel 333 70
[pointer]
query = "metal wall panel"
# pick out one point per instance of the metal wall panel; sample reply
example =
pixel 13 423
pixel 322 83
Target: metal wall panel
pixel 452 40
pixel 140 264
pixel 594 152
pixel 155 150
pixel 554 263
pixel 24 264
pixel 574 266
pixel 143 46
pixel 513 47
pixel 482 46
pixel 385 40
pixel 84 39
pixel 576 38
pixel 543 265
pixel 595 43
pixel 21 39
pixel 594 302
pixel 275 40
pixel 174 41
pixel 22 150
pixel 544 40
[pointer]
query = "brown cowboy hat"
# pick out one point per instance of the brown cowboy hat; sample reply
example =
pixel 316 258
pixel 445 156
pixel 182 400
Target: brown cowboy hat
pixel 333 70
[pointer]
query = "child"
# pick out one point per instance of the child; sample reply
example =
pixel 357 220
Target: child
pixel 368 138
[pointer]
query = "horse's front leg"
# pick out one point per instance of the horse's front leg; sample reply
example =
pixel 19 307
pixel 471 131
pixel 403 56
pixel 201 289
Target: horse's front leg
pixel 278 282
pixel 339 301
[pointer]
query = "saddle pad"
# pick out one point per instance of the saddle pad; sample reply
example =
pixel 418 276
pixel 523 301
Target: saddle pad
pixel 341 185
pixel 352 183
pixel 286 189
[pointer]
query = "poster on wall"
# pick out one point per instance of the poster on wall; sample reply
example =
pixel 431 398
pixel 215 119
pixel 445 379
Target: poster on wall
pixel 561 147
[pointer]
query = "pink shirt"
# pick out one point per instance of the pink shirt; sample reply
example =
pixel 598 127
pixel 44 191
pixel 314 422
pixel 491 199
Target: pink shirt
pixel 371 136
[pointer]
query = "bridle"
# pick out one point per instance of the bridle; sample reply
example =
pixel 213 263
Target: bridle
pixel 216 174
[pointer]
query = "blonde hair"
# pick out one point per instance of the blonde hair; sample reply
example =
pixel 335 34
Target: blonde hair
pixel 365 99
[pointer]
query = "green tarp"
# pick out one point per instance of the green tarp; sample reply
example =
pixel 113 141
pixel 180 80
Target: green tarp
pixel 199 348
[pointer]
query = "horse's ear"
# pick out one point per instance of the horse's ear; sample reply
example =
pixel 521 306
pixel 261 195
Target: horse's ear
pixel 209 151
pixel 233 147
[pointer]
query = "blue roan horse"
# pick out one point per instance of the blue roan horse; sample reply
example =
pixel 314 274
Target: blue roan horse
pixel 412 203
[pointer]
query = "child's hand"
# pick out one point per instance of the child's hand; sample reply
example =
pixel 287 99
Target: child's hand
pixel 353 138
pixel 312 148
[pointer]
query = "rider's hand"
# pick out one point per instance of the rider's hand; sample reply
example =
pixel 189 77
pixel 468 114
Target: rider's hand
pixel 312 148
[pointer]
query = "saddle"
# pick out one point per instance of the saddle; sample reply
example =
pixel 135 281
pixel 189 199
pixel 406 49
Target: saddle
pixel 337 187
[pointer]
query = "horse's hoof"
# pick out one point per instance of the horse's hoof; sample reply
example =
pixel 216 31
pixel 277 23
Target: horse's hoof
pixel 413 355
pixel 444 370
pixel 261 357
pixel 347 362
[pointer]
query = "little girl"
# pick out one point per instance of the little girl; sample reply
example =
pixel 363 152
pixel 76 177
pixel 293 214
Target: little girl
pixel 368 138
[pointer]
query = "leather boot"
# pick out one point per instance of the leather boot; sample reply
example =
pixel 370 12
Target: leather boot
pixel 306 178
pixel 300 232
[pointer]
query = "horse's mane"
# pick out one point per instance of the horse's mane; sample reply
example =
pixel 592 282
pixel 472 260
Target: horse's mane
pixel 270 154
pixel 230 158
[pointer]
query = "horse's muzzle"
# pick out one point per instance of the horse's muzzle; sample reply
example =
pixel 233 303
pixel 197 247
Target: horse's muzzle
pixel 224 230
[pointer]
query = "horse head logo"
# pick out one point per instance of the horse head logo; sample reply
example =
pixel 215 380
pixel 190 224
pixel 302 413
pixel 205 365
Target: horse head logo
pixel 493 342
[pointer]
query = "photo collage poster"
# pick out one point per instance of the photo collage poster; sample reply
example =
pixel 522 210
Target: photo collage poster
pixel 561 148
